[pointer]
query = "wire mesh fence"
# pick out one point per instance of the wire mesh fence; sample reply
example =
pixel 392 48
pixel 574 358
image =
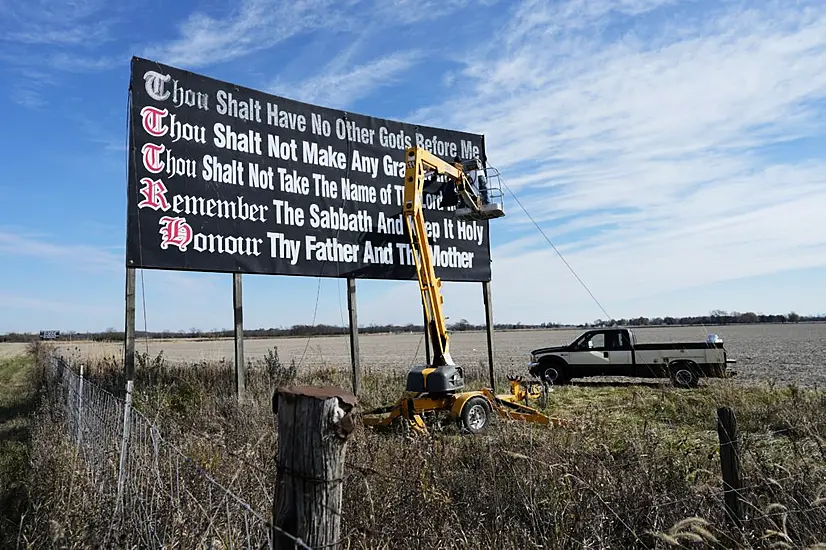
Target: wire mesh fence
pixel 158 496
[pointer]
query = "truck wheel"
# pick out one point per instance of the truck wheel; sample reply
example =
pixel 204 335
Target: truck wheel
pixel 552 373
pixel 476 415
pixel 684 376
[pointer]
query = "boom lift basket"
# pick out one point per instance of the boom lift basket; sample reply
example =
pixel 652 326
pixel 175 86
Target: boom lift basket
pixel 484 190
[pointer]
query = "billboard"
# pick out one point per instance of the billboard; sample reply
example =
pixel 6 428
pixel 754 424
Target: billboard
pixel 223 178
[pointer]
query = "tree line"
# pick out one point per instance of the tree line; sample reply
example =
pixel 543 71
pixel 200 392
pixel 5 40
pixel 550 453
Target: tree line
pixel 716 317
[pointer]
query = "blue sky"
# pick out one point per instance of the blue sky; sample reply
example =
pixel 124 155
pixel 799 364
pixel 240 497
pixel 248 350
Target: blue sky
pixel 673 151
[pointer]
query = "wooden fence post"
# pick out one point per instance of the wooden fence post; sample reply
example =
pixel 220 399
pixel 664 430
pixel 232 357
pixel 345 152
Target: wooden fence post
pixel 730 464
pixel 314 425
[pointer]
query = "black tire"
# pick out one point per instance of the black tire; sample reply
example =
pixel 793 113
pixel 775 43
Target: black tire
pixel 553 373
pixel 684 375
pixel 476 415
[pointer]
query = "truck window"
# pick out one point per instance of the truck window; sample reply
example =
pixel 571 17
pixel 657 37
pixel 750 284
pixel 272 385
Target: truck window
pixel 597 341
pixel 617 340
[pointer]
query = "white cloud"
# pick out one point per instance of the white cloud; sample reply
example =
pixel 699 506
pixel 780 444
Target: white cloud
pixel 28 303
pixel 651 127
pixel 42 22
pixel 252 25
pixel 103 260
pixel 49 248
pixel 40 40
pixel 257 25
pixel 340 83
pixel 173 298
pixel 416 11
pixel 27 97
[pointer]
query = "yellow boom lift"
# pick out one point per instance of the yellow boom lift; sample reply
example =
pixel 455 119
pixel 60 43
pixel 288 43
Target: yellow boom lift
pixel 437 387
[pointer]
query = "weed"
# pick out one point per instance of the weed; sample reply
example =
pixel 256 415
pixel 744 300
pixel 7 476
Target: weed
pixel 277 373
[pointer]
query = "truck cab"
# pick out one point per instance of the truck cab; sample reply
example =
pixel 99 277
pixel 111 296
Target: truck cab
pixel 615 352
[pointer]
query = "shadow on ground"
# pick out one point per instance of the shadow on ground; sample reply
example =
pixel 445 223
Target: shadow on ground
pixel 618 383
pixel 19 409
pixel 18 402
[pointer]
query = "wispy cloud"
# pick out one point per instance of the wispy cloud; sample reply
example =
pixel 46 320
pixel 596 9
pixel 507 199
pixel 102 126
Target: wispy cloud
pixel 406 12
pixel 27 97
pixel 108 259
pixel 42 22
pixel 339 84
pixel 28 303
pixel 40 40
pixel 251 26
pixel 644 136
pixel 50 248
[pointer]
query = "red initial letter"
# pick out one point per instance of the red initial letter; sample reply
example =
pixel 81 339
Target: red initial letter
pixel 152 119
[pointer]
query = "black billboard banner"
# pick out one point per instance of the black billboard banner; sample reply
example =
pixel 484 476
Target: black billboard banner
pixel 224 178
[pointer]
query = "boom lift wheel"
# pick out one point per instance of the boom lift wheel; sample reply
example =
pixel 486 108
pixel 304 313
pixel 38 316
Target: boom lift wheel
pixel 476 415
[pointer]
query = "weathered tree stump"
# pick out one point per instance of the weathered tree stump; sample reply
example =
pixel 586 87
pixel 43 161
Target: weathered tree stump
pixel 314 425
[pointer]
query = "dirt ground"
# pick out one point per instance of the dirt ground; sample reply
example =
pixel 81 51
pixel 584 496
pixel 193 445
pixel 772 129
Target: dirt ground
pixel 784 353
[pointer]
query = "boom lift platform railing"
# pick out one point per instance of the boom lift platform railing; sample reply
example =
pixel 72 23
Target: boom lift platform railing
pixel 436 387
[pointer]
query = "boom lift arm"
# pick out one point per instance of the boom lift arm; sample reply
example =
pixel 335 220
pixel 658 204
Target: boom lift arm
pixel 442 375
pixel 435 387
pixel 419 163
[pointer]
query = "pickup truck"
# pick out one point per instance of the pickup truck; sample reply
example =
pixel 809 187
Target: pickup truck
pixel 615 352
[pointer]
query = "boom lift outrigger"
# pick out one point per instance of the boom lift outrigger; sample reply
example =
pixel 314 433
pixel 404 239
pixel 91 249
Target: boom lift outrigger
pixel 436 387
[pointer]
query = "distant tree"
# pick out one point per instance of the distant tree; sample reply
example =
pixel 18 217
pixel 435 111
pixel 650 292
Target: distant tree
pixel 793 317
pixel 749 317
pixel 462 324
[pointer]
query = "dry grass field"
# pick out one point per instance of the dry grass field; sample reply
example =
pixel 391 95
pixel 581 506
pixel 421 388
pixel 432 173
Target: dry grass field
pixel 8 351
pixel 783 353
pixel 638 466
